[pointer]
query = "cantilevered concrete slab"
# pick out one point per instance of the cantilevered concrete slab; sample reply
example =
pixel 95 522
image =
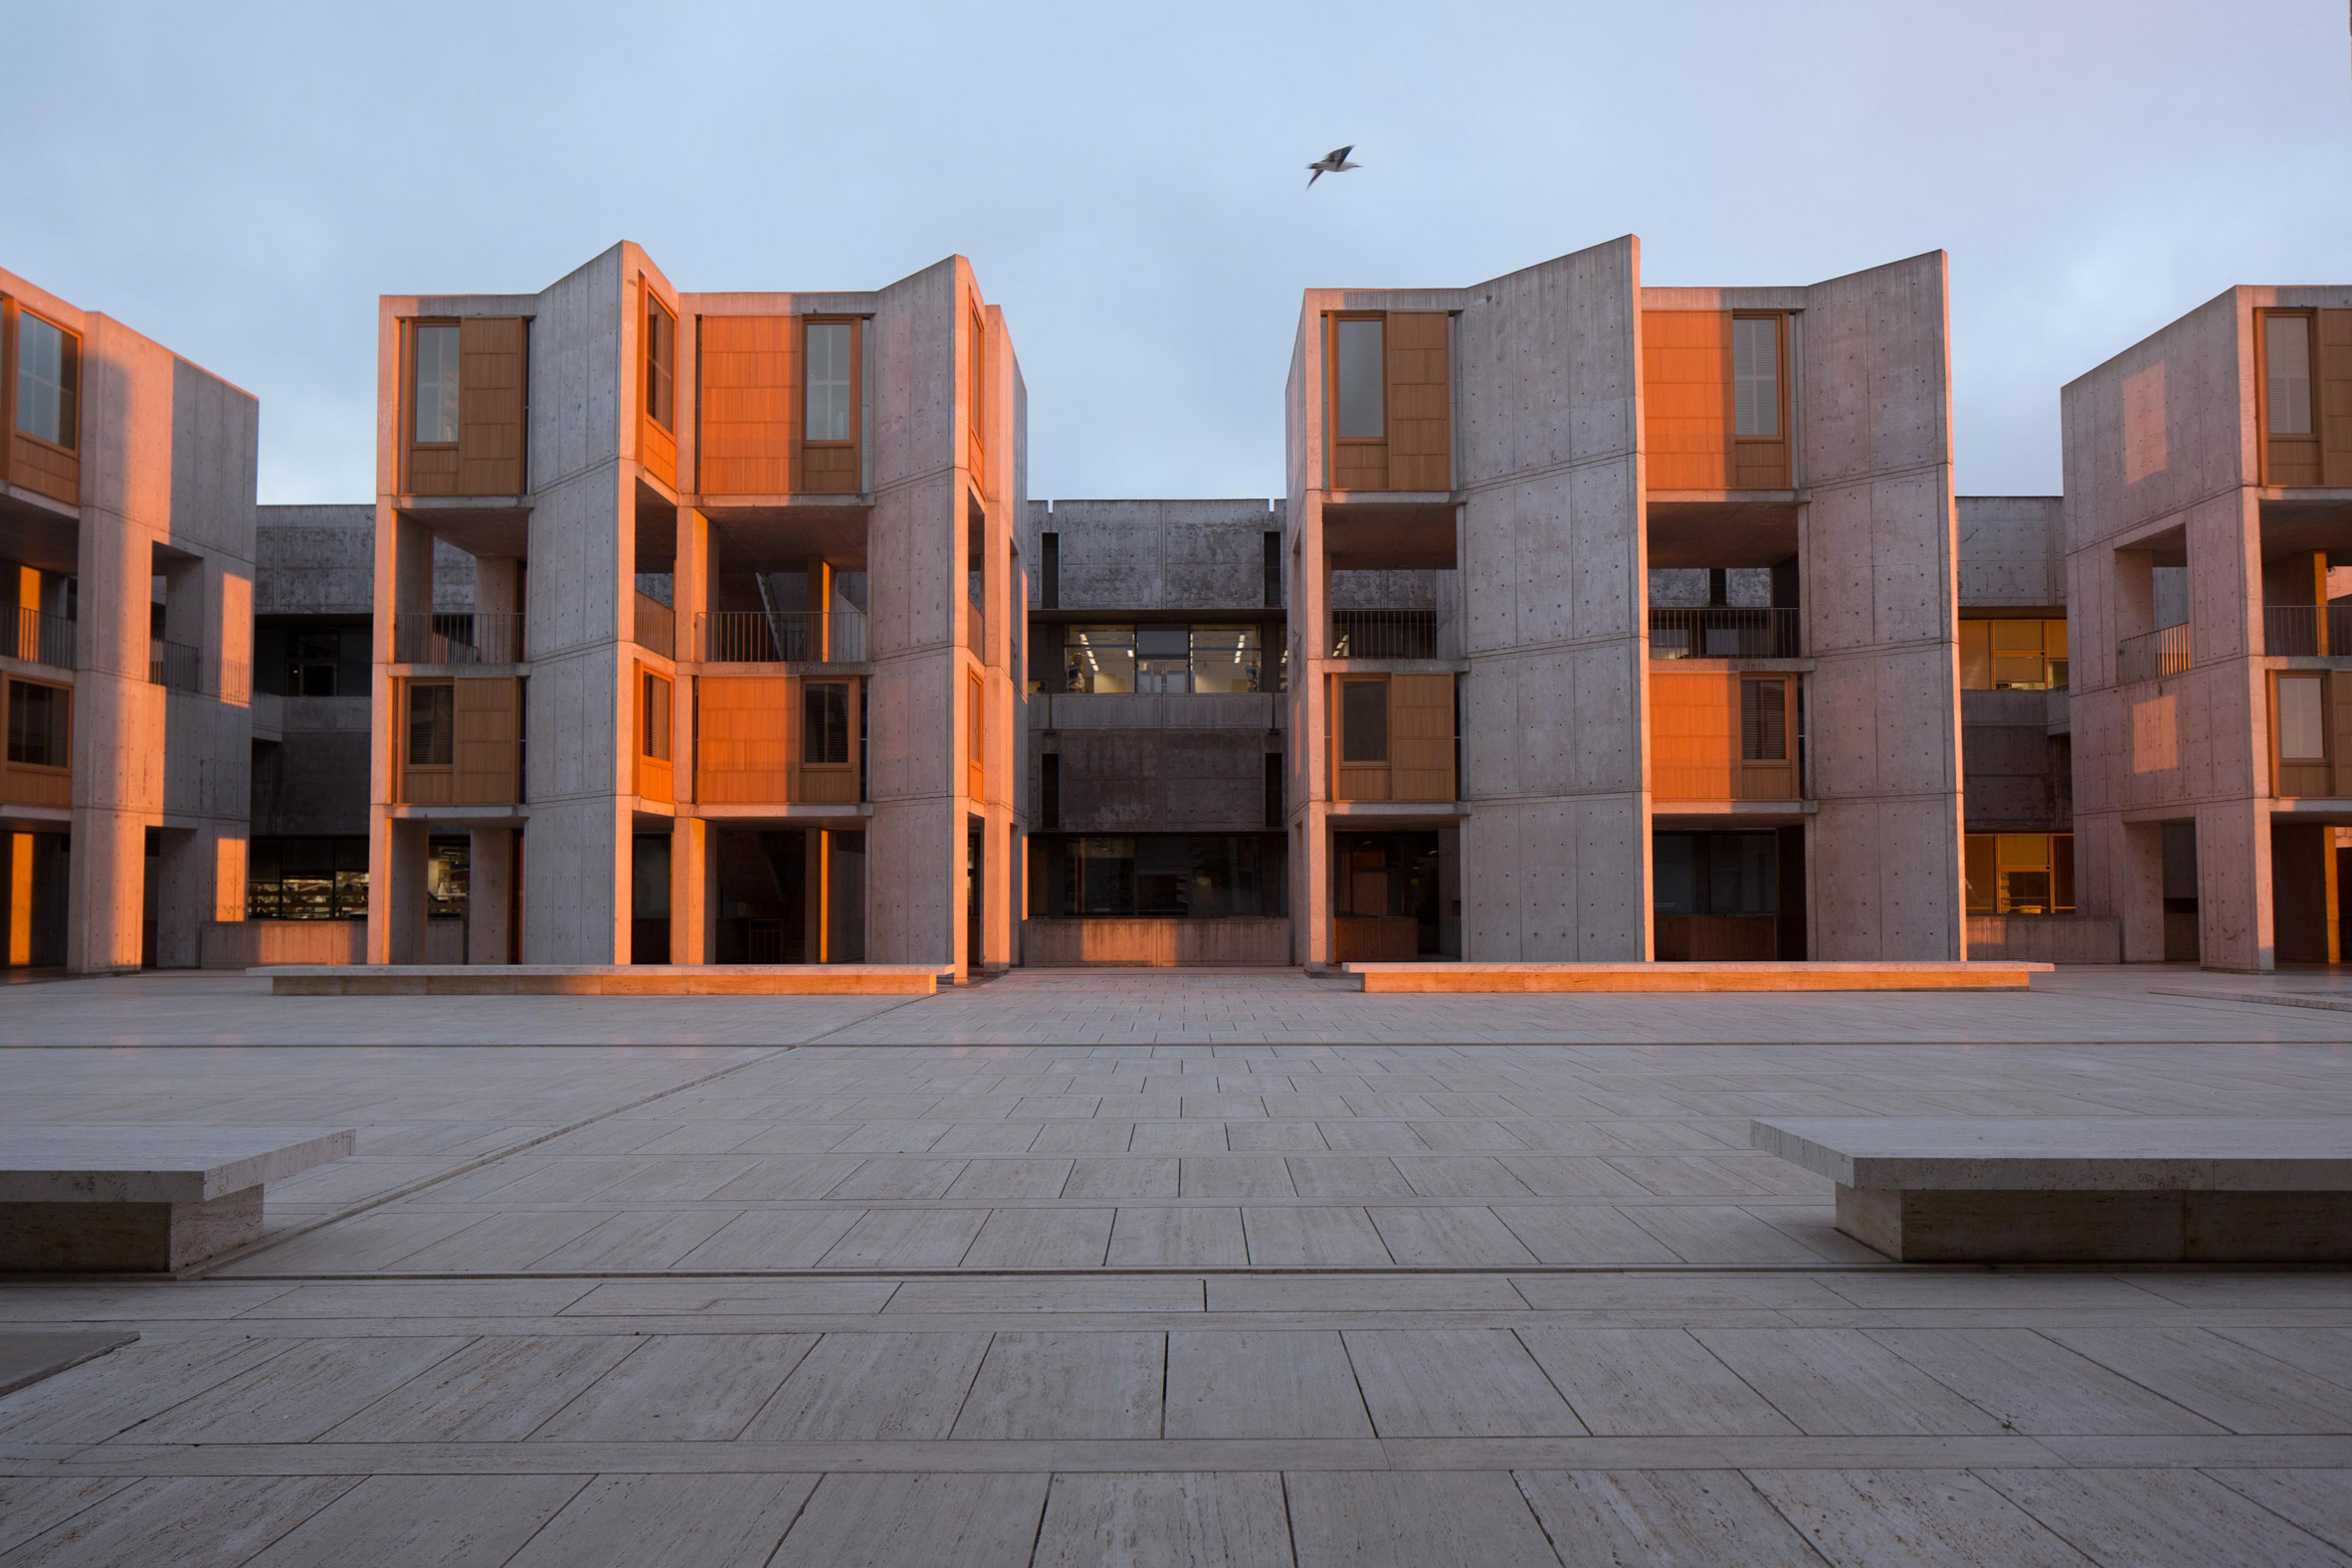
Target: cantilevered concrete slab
pixel 131 1197
pixel 2159 1189
pixel 603 979
pixel 1891 976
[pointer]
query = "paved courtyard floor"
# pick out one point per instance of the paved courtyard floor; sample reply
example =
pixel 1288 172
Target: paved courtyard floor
pixel 1160 1269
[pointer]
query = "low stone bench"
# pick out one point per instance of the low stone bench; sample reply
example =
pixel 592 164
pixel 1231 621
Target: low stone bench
pixel 603 979
pixel 2145 1189
pixel 130 1197
pixel 1529 978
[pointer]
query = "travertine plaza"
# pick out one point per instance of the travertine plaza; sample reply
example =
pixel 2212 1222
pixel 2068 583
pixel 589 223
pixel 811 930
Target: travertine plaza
pixel 1597 621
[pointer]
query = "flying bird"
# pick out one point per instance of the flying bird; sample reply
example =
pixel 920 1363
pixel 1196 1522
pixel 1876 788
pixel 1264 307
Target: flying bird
pixel 1332 162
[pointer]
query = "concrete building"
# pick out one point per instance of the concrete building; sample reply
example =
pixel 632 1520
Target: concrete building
pixel 731 678
pixel 2209 557
pixel 1685 684
pixel 1156 714
pixel 126 545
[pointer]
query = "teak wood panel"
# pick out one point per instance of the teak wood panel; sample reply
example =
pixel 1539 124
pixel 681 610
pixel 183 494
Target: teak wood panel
pixel 976 400
pixel 2312 776
pixel 2339 726
pixel 1358 462
pixel 491 368
pixel 1694 744
pixel 25 783
pixel 1687 425
pixel 656 446
pixel 485 747
pixel 743 739
pixel 1419 401
pixel 750 405
pixel 1420 765
pixel 2332 396
pixel 975 738
pixel 656 776
pixel 41 467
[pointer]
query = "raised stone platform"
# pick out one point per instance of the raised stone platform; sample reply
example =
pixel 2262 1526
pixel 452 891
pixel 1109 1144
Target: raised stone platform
pixel 137 1197
pixel 603 979
pixel 2142 1189
pixel 1532 977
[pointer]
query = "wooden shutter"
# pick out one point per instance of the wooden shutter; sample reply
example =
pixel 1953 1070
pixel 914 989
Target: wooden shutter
pixel 1761 462
pixel 1694 734
pixel 1421 738
pixel 1768 704
pixel 1686 398
pixel 750 405
pixel 2339 740
pixel 975 739
pixel 488 732
pixel 2331 402
pixel 657 443
pixel 743 736
pixel 490 374
pixel 2299 726
pixel 1419 402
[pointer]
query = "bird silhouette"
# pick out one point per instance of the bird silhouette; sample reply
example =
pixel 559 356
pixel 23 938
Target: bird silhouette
pixel 1332 162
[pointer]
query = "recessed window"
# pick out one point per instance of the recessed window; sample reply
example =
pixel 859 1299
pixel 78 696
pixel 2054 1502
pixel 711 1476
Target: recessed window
pixel 824 722
pixel 2303 719
pixel 307 879
pixel 654 712
pixel 2020 873
pixel 437 384
pixel 1357 380
pixel 1763 721
pixel 2013 655
pixel 312 662
pixel 1226 657
pixel 2286 363
pixel 1363 721
pixel 1163 659
pixel 660 363
pixel 1755 375
pixel 48 380
pixel 37 724
pixel 432 725
pixel 830 384
pixel 976 366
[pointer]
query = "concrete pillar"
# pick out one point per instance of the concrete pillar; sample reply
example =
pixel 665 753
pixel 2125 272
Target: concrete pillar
pixel 694 893
pixel 816 890
pixel 490 896
pixel 2139 883
pixel 396 897
pixel 2236 924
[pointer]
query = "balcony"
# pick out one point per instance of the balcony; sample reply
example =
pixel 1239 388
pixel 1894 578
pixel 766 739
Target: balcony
pixel 43 638
pixel 781 637
pixel 2305 630
pixel 455 638
pixel 2164 652
pixel 655 627
pixel 1392 633
pixel 175 666
pixel 1723 632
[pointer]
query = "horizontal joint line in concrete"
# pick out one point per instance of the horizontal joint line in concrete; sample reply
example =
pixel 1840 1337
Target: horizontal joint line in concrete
pixel 1546 470
pixel 1878 476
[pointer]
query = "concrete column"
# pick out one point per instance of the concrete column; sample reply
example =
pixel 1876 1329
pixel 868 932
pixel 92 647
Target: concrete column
pixel 2139 881
pixel 490 896
pixel 398 898
pixel 693 891
pixel 2236 924
pixel 815 894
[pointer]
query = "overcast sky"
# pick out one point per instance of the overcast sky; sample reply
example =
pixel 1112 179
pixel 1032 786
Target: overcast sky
pixel 240 181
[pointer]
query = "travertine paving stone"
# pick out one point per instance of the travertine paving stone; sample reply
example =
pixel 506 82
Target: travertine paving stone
pixel 1689 1519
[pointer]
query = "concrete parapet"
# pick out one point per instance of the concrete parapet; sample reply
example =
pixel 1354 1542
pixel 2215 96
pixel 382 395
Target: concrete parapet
pixel 2045 938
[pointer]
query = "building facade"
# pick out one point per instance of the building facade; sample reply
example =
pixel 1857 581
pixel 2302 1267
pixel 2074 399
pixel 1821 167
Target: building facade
pixel 1156 739
pixel 2208 556
pixel 733 676
pixel 1689 684
pixel 126 545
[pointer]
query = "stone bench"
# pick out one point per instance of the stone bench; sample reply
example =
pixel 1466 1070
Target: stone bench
pixel 1526 978
pixel 603 979
pixel 133 1197
pixel 2145 1189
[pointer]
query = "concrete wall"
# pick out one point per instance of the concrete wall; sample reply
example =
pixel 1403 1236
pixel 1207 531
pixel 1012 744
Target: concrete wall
pixel 1155 555
pixel 2012 552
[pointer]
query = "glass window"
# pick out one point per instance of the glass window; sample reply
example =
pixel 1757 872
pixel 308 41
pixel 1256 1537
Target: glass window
pixel 437 384
pixel 1740 868
pixel 654 713
pixel 829 381
pixel 1357 380
pixel 1104 871
pixel 2013 655
pixel 660 363
pixel 2302 730
pixel 48 375
pixel 2020 873
pixel 1674 873
pixel 1098 658
pixel 1163 659
pixel 1226 657
pixel 2287 359
pixel 1363 721
pixel 308 878
pixel 37 724
pixel 312 662
pixel 1763 721
pixel 432 725
pixel 825 721
pixel 1755 375
pixel 448 874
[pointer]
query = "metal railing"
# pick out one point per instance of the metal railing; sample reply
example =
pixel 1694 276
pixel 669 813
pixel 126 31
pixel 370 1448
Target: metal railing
pixel 781 637
pixel 2164 652
pixel 175 666
pixel 460 637
pixel 656 626
pixel 1390 633
pixel 1723 630
pixel 43 638
pixel 2307 629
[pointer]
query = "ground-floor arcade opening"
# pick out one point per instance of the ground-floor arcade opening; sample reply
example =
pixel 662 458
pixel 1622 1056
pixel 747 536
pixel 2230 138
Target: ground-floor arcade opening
pixel 1396 897
pixel 1728 897
pixel 788 895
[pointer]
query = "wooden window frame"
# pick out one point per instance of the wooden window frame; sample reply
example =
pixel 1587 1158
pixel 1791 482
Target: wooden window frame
pixel 976 395
pixel 800 402
pixel 646 366
pixel 2266 459
pixel 1786 441
pixel 73 397
pixel 1362 444
pixel 408 697
pixel 37 783
pixel 410 445
pixel 975 735
pixel 2295 778
pixel 655 771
